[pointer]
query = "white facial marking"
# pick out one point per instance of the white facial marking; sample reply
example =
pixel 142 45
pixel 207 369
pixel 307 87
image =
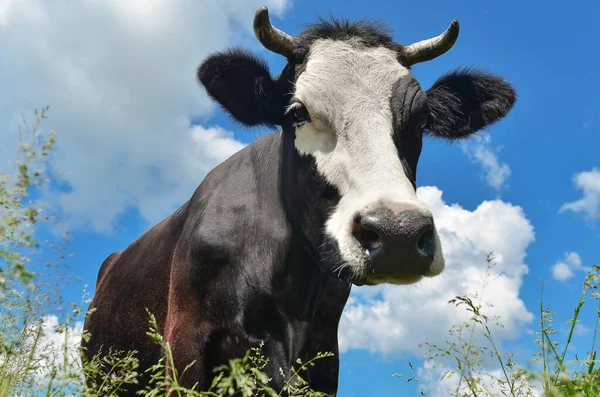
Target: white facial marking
pixel 312 137
pixel 346 88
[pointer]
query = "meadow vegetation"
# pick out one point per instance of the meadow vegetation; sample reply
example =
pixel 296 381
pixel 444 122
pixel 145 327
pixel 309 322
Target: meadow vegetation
pixel 39 332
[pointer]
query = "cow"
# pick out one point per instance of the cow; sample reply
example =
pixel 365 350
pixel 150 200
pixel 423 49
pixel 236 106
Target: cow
pixel 270 243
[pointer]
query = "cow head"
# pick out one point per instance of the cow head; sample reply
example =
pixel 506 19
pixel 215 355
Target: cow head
pixel 355 117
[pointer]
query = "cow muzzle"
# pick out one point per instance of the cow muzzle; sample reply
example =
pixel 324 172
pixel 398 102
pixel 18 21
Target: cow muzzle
pixel 400 241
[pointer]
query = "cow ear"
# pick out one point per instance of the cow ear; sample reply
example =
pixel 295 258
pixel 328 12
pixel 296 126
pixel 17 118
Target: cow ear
pixel 241 83
pixel 463 102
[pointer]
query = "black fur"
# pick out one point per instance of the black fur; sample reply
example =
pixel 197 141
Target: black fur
pixel 231 267
pixel 464 101
pixel 408 104
pixel 241 83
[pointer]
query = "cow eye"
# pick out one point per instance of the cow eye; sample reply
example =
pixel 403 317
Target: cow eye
pixel 300 114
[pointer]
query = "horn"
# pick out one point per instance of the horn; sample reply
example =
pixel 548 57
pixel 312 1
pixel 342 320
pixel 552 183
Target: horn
pixel 426 50
pixel 269 36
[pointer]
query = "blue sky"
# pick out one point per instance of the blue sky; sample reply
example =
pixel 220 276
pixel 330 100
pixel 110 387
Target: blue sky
pixel 138 135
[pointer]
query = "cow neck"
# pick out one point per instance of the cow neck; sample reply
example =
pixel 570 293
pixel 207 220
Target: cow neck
pixel 292 178
pixel 309 290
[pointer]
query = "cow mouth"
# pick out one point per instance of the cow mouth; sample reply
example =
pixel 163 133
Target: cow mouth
pixel 362 270
pixel 370 247
pixel 396 279
pixel 399 279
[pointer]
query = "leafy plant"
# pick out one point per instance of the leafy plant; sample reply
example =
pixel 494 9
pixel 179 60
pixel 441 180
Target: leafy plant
pixel 473 361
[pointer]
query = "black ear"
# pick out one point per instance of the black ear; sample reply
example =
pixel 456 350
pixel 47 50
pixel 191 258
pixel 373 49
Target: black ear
pixel 241 83
pixel 463 102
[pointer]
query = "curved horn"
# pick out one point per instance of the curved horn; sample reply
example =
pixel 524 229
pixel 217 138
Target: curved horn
pixel 434 47
pixel 269 36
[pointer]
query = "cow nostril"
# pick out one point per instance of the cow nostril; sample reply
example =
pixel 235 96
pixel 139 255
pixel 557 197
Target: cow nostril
pixel 426 243
pixel 368 239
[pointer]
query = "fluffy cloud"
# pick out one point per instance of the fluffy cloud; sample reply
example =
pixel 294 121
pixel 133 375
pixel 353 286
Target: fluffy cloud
pixel 392 319
pixel 564 269
pixel 119 77
pixel 480 151
pixel 561 271
pixel 589 204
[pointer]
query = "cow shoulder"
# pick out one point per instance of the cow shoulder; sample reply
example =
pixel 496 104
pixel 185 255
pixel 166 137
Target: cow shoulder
pixel 237 205
pixel 106 265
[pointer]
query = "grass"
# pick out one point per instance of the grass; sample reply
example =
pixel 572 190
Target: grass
pixel 471 361
pixel 36 362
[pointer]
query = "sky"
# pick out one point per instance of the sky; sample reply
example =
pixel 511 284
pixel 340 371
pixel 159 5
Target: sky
pixel 137 135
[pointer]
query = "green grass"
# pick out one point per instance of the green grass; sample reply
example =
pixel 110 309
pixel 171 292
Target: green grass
pixel 471 361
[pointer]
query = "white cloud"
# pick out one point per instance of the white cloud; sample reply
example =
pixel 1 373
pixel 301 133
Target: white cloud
pixel 561 271
pixel 573 259
pixel 390 319
pixel 564 269
pixel 480 151
pixel 119 77
pixel 589 204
